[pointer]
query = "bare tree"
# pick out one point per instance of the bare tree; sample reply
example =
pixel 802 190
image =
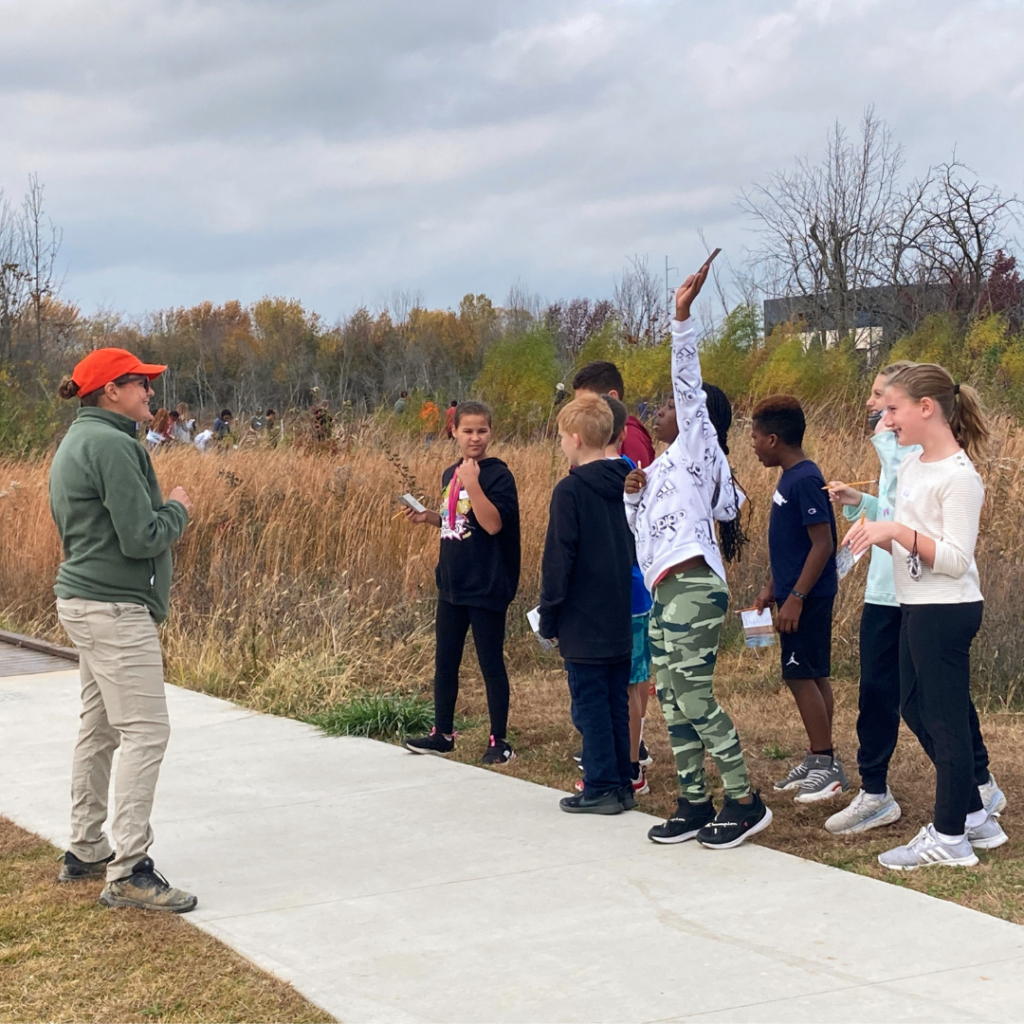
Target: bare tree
pixel 573 323
pixel 638 302
pixel 522 307
pixel 40 245
pixel 12 276
pixel 968 226
pixel 823 225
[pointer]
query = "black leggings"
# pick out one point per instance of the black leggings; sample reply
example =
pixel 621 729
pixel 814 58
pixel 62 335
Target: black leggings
pixel 935 699
pixel 451 625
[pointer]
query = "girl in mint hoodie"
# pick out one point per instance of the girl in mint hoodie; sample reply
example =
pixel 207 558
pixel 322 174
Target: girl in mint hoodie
pixel 878 718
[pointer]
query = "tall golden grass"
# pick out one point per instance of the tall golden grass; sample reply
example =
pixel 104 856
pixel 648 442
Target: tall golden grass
pixel 295 583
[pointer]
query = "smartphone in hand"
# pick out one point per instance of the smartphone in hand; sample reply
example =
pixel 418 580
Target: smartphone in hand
pixel 410 502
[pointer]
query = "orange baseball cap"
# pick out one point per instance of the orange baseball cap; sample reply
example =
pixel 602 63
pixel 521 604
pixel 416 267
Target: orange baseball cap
pixel 103 365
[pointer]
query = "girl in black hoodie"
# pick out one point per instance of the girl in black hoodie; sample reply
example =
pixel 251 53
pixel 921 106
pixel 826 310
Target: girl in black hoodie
pixel 477 577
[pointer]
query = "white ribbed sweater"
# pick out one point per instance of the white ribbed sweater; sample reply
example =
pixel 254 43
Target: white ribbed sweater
pixel 941 500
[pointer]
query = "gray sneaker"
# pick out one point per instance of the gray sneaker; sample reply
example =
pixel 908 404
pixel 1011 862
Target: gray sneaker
pixel 796 775
pixel 988 835
pixel 824 780
pixel 992 797
pixel 926 850
pixel 147 889
pixel 864 812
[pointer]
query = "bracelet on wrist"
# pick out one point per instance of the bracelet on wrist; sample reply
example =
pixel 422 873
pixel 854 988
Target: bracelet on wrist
pixel 798 595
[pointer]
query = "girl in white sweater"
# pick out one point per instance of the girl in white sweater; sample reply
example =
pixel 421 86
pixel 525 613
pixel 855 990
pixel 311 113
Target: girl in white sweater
pixel 939 495
pixel 672 506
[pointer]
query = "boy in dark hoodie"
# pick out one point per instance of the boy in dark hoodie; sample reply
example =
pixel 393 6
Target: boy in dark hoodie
pixel 586 591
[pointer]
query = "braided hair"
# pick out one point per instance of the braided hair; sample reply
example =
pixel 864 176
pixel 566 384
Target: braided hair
pixel 731 538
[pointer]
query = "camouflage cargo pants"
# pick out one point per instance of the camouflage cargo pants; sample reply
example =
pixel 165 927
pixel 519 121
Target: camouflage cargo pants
pixel 686 623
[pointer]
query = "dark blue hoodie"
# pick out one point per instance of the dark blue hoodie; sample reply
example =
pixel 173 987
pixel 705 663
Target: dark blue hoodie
pixel 586 573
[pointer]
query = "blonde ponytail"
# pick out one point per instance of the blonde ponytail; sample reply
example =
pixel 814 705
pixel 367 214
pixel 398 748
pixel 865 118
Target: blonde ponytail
pixel 960 403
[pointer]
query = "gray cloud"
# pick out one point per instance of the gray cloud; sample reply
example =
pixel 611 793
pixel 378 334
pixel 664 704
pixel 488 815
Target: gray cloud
pixel 334 151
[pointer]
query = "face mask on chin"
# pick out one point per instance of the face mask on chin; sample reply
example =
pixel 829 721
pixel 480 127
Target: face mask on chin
pixel 873 420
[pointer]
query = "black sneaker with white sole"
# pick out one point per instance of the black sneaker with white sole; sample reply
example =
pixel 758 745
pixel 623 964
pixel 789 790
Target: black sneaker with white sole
pixel 645 755
pixel 734 823
pixel 435 743
pixel 74 870
pixel 498 752
pixel 688 820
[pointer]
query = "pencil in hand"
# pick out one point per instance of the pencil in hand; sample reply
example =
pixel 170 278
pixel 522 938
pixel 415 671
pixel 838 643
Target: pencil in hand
pixel 855 483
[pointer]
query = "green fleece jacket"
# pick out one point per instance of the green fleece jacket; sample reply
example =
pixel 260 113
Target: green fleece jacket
pixel 115 527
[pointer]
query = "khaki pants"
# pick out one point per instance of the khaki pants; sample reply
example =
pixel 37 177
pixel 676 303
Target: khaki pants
pixel 123 703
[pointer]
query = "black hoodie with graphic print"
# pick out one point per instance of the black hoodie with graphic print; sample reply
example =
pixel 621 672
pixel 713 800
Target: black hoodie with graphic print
pixel 586 573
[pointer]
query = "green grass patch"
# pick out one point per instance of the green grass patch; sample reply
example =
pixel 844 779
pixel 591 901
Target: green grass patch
pixel 776 752
pixel 379 716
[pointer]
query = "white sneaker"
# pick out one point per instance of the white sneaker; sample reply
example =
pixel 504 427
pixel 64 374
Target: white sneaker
pixel 988 835
pixel 992 797
pixel 927 850
pixel 864 812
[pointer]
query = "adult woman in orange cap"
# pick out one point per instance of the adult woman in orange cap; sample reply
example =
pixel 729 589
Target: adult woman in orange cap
pixel 112 589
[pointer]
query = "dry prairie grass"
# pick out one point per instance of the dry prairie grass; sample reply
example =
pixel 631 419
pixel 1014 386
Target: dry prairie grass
pixel 294 583
pixel 63 957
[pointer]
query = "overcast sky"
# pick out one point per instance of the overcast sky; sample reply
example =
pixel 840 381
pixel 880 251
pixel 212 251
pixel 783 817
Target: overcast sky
pixel 336 151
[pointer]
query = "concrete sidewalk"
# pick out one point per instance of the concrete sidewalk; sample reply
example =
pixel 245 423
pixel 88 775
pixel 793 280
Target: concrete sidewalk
pixel 388 887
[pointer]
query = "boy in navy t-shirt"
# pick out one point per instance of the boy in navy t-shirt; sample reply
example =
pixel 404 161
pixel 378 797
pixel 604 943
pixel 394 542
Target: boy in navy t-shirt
pixel 801 547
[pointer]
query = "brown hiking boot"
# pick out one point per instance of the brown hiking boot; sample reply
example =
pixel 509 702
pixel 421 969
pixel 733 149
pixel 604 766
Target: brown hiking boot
pixel 74 870
pixel 147 889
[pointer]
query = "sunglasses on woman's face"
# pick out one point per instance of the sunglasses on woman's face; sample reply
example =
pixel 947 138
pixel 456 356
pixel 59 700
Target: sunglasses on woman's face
pixel 143 381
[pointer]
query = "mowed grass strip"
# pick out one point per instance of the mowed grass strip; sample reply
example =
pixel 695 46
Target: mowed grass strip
pixel 769 726
pixel 64 957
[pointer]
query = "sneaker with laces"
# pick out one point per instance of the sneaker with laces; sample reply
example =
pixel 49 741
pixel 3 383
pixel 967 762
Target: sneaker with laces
pixel 866 811
pixel 435 743
pixel 498 752
pixel 74 870
pixel 992 797
pixel 734 823
pixel 927 850
pixel 645 755
pixel 794 776
pixel 688 820
pixel 988 835
pixel 146 889
pixel 640 786
pixel 824 780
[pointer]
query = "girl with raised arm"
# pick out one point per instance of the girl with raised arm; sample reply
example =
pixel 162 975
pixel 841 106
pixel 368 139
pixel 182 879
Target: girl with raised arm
pixel 672 506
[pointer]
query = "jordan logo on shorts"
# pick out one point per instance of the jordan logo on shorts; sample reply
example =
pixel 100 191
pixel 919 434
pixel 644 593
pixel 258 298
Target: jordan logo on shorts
pixel 792 659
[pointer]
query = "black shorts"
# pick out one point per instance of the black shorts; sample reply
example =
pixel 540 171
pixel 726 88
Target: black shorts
pixel 807 653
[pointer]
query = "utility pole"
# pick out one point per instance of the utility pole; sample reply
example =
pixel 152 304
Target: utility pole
pixel 669 306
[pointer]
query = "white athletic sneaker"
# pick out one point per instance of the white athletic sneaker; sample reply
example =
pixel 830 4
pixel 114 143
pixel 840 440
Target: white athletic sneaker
pixel 926 850
pixel 864 812
pixel 825 779
pixel 988 835
pixel 992 797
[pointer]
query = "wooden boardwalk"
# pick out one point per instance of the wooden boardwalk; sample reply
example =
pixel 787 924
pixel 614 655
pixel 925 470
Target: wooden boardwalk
pixel 19 660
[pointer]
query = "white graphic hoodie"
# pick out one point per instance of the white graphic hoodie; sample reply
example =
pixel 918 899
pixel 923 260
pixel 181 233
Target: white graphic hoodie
pixel 690 484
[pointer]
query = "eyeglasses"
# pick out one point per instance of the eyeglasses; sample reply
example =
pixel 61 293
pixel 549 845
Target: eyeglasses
pixel 143 381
